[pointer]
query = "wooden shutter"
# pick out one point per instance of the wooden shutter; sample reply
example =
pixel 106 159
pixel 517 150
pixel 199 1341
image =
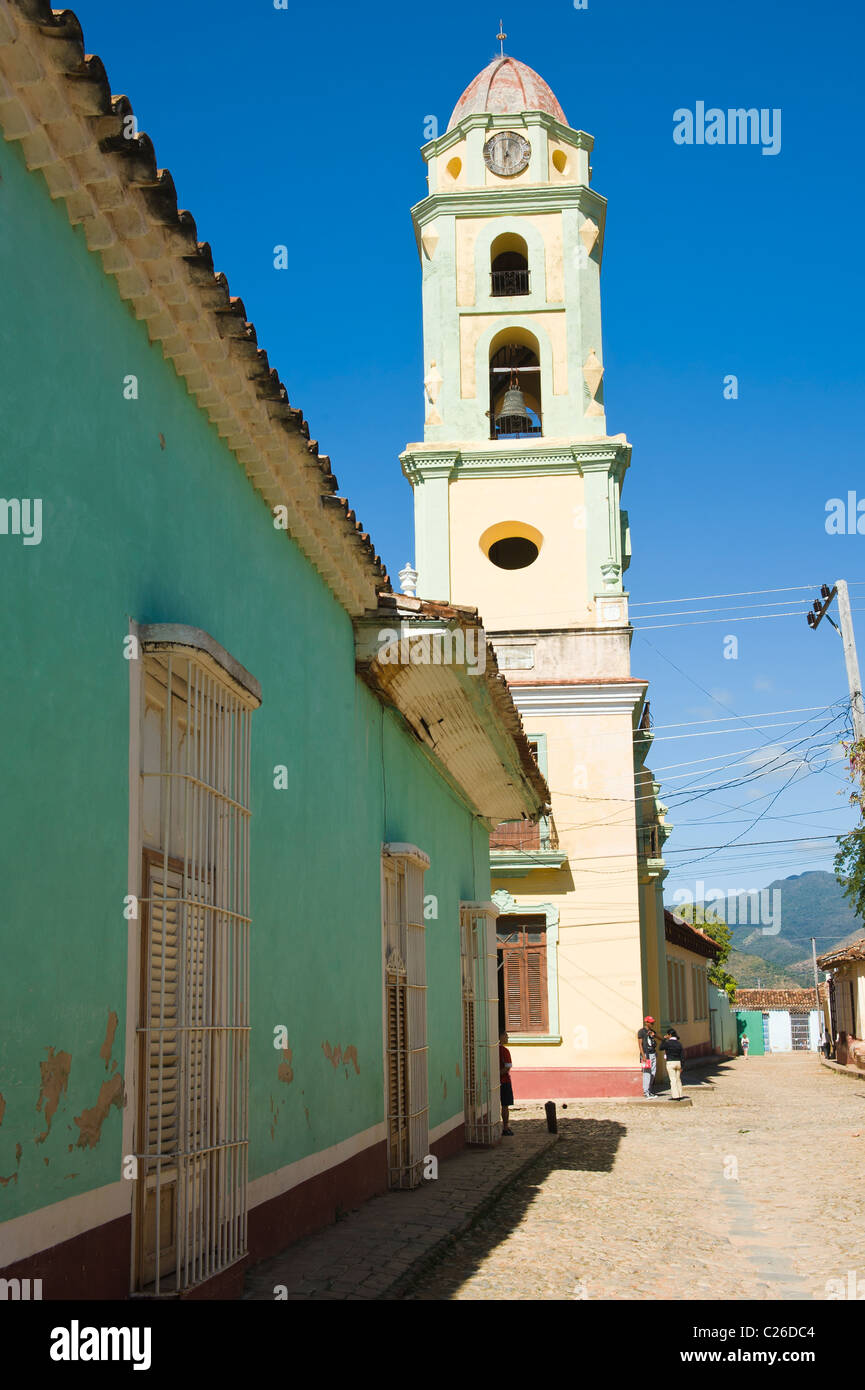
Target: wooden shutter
pixel 470 1078
pixel 525 974
pixel 536 988
pixel 397 1073
pixel 514 993
pixel 160 1068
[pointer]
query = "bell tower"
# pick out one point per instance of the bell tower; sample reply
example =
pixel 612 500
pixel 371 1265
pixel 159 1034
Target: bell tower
pixel 511 239
pixel 517 490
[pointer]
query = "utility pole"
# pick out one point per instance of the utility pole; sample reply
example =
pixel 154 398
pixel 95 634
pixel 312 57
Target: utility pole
pixel 817 985
pixel 845 618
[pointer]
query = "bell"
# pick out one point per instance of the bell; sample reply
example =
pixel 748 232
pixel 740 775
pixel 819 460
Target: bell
pixel 513 406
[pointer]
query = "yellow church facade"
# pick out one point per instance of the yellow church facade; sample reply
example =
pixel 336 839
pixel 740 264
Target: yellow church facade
pixel 517 489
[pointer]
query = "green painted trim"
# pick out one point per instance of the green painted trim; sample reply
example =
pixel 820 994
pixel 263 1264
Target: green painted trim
pixel 509 906
pixel 583 456
pixel 509 305
pixel 495 202
pixel 506 863
pixel 485 120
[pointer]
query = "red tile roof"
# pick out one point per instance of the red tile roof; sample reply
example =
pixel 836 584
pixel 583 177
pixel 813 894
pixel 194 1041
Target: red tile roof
pixel 56 100
pixel 690 938
pixel 764 1000
pixel 854 950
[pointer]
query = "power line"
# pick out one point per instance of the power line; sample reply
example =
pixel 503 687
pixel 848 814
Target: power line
pixel 707 622
pixel 764 714
pixel 725 608
pixel 744 593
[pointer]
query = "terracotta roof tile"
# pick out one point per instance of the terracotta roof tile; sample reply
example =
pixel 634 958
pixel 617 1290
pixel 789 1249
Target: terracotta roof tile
pixel 855 950
pixel 128 206
pixel 764 1000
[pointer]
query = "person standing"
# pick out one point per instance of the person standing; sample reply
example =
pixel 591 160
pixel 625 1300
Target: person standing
pixel 674 1055
pixel 648 1041
pixel 506 1087
pixel 746 1043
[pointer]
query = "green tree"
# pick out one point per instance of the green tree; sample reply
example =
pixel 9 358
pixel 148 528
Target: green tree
pixel 850 858
pixel 715 927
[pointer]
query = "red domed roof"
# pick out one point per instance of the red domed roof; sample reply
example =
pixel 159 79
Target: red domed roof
pixel 504 88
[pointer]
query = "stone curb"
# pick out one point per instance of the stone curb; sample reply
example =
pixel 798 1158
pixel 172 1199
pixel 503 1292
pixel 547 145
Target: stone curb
pixel 404 1281
pixel 855 1072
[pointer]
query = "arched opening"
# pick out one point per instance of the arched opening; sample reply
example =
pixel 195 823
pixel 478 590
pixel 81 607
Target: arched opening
pixel 509 265
pixel 515 384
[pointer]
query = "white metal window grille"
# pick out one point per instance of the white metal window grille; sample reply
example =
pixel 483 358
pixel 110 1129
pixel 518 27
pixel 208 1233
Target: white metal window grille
pixel 480 1023
pixel 193 1073
pixel 406 1085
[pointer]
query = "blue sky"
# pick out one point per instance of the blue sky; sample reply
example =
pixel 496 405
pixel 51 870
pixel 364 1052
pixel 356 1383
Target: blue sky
pixel 302 127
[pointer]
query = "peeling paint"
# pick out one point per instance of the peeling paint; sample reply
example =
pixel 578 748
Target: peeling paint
pixel 55 1079
pixel 13 1177
pixel 108 1045
pixel 2 1108
pixel 337 1055
pixel 18 1153
pixel 70 1175
pixel 90 1121
pixel 457 1070
pixel 306 1113
pixel 284 1071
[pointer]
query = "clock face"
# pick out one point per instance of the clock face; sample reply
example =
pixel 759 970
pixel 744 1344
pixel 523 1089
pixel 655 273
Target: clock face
pixel 507 153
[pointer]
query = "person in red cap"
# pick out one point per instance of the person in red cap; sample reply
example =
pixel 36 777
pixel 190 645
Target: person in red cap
pixel 648 1041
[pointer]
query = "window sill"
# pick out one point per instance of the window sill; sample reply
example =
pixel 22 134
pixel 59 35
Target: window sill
pixel 524 1039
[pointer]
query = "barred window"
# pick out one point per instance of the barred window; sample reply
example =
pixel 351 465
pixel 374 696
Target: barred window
pixel 193 1024
pixel 403 868
pixel 480 1023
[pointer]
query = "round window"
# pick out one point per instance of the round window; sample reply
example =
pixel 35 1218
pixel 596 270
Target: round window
pixel 511 545
pixel 513 552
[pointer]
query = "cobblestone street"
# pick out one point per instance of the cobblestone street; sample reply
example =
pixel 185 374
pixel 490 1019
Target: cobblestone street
pixel 753 1192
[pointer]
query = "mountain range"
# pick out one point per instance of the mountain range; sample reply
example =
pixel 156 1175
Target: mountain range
pixel 772 933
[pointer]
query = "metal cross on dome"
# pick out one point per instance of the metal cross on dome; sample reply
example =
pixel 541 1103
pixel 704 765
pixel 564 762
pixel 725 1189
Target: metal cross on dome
pixel 501 36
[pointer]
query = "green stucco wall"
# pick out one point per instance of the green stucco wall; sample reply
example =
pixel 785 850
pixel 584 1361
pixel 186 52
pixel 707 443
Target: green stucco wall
pixel 147 515
pixel 750 1022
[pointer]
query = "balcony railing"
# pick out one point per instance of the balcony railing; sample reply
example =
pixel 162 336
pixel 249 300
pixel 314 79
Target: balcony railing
pixel 648 842
pixel 509 282
pixel 524 835
pixel 514 425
